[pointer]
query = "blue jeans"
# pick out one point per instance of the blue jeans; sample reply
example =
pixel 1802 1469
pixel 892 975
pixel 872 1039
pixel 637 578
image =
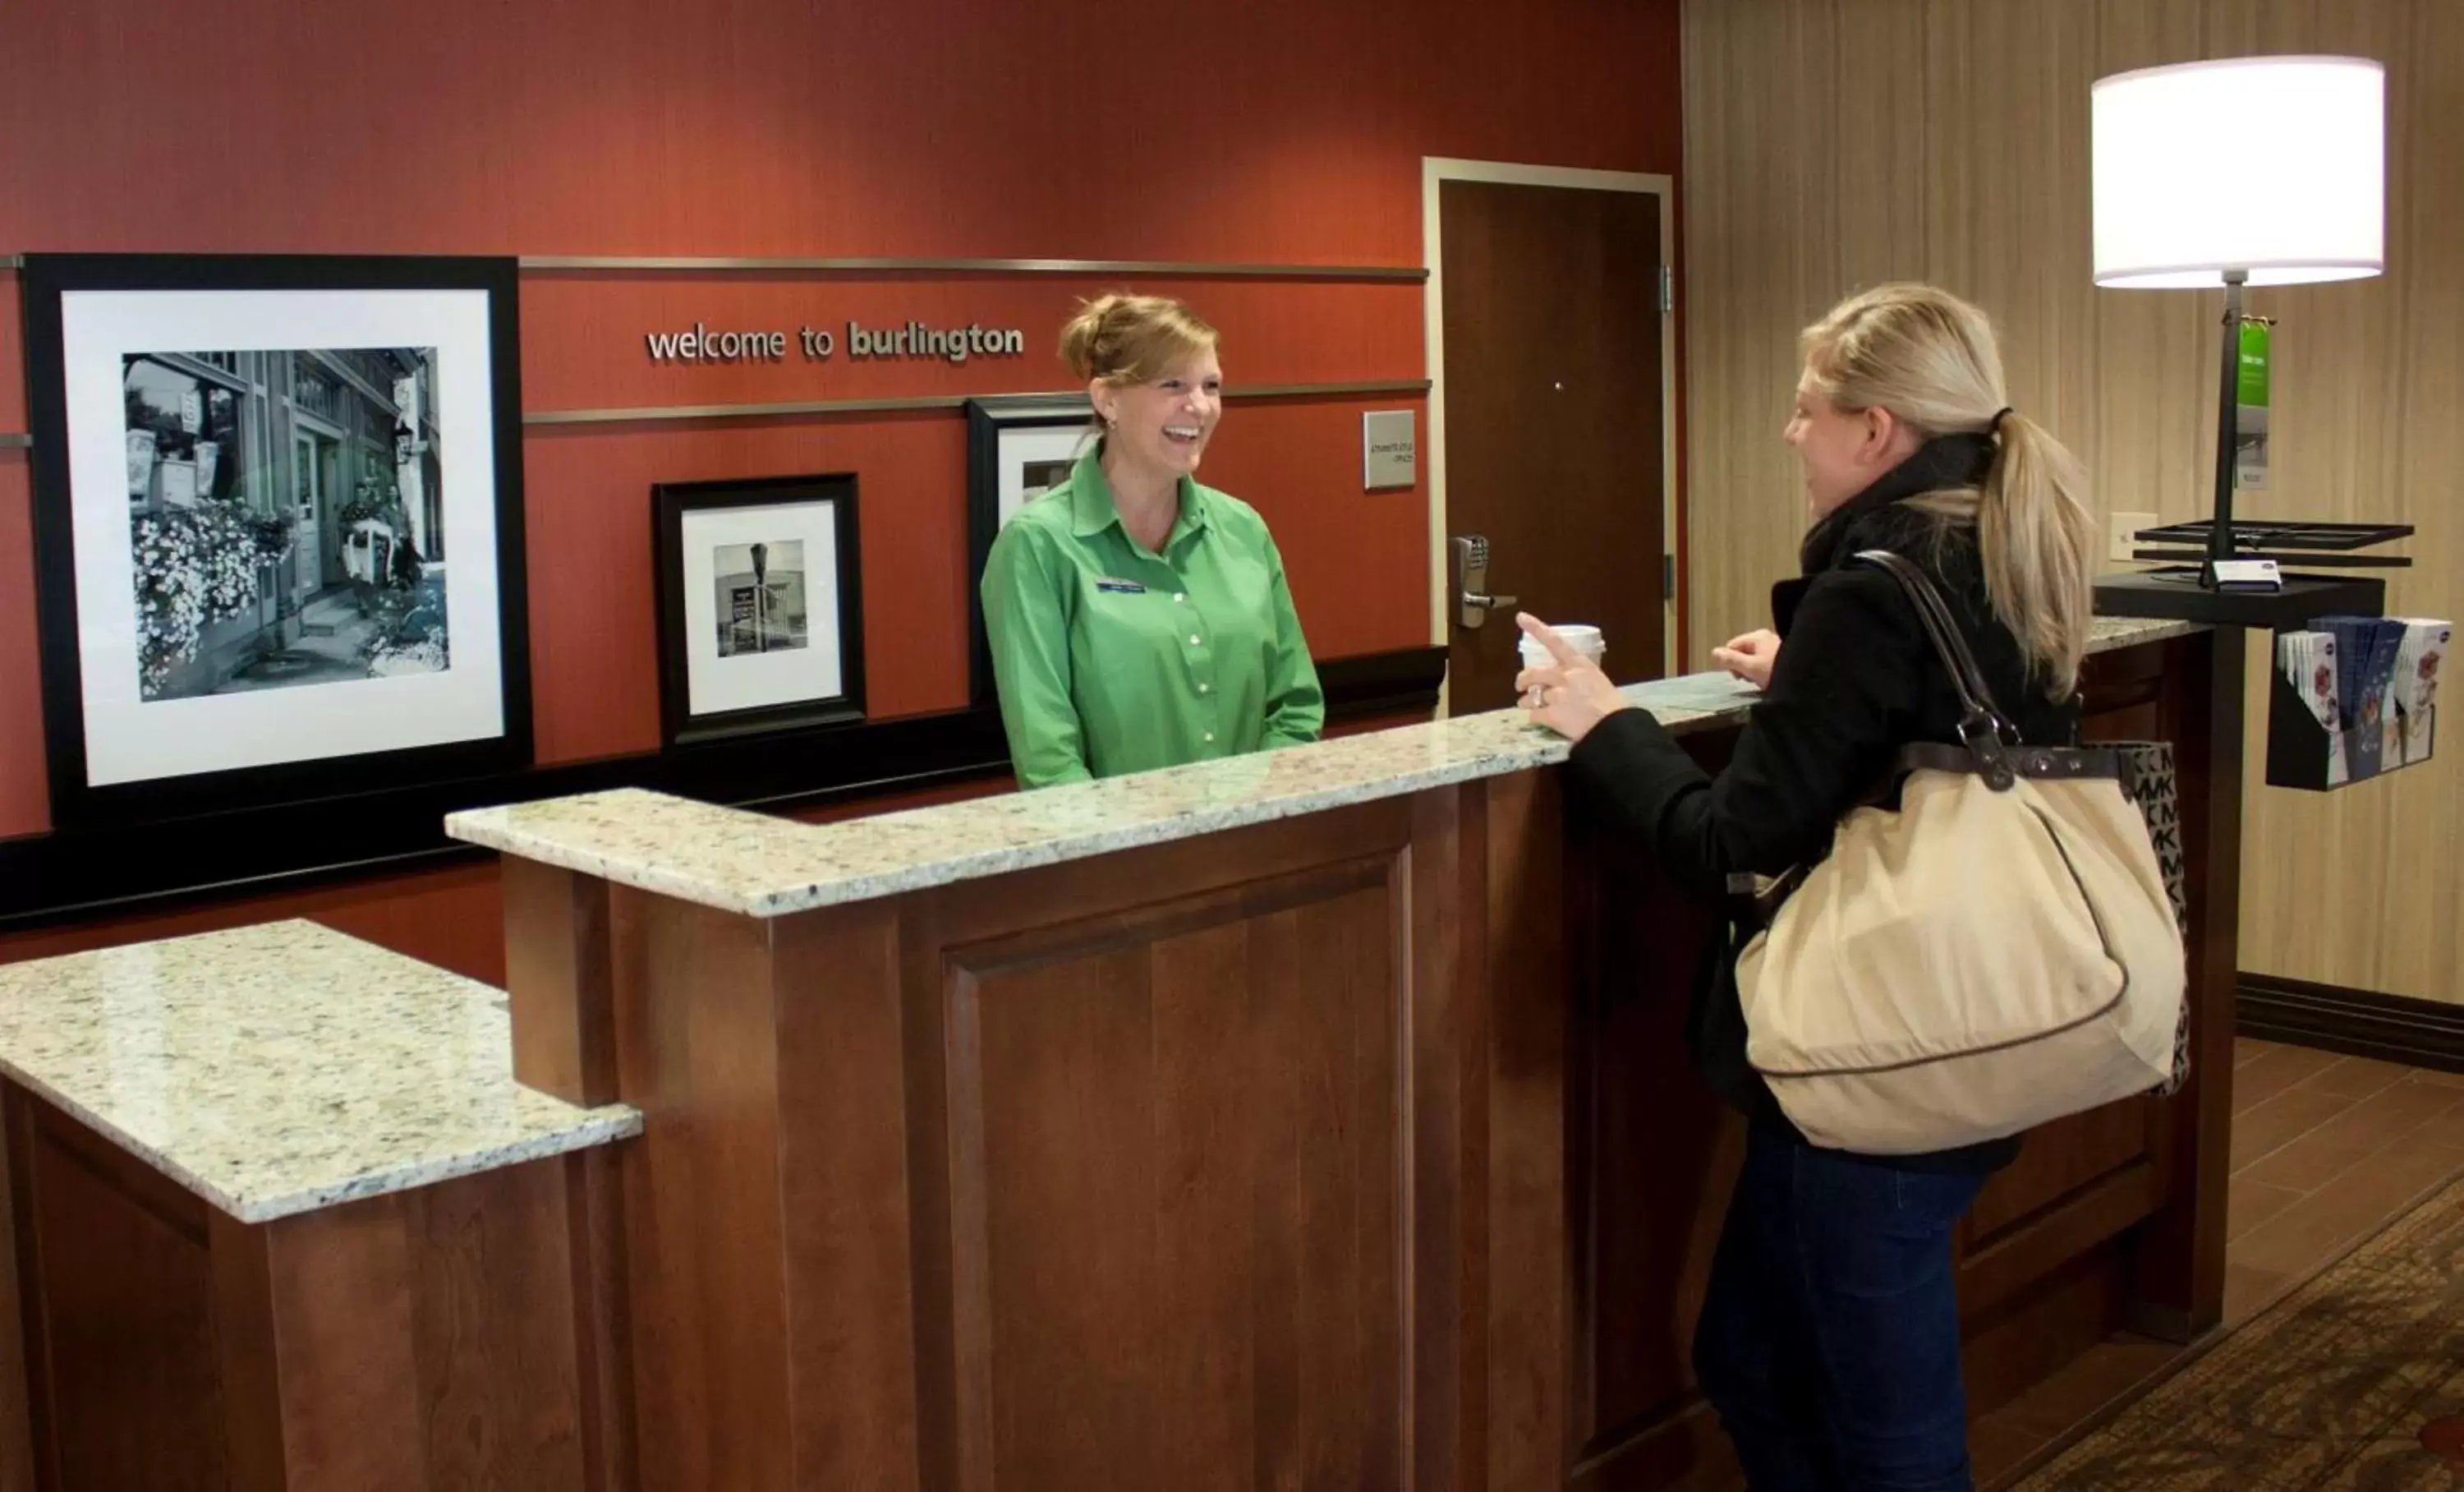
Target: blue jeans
pixel 1829 1337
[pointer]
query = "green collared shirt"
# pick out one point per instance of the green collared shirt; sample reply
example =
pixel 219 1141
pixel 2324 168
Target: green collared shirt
pixel 1113 659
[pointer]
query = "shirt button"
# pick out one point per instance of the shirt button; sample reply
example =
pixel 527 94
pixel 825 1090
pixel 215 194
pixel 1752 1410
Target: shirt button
pixel 1210 738
pixel 1193 640
pixel 1181 597
pixel 1204 688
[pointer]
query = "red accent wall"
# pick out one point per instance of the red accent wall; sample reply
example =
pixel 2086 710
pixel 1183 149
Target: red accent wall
pixel 1283 131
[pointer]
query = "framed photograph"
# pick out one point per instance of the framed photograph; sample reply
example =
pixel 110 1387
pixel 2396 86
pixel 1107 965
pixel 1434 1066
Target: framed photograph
pixel 1017 449
pixel 761 606
pixel 278 527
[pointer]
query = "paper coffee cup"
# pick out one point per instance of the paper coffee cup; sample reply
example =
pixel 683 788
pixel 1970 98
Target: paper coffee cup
pixel 1583 639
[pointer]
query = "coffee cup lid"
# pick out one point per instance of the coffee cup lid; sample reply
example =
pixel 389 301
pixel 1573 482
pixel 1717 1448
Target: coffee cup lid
pixel 1578 635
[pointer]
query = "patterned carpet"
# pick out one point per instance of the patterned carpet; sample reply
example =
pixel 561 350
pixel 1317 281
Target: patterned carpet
pixel 2354 1383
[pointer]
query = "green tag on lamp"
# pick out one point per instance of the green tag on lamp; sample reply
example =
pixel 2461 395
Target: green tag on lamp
pixel 2249 412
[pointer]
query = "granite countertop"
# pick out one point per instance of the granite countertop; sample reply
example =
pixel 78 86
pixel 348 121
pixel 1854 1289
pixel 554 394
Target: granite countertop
pixel 759 865
pixel 284 1068
pixel 2108 633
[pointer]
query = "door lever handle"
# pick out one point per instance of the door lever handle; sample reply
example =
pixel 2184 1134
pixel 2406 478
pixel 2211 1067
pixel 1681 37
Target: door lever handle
pixel 1473 602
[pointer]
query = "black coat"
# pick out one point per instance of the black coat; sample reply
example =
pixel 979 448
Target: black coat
pixel 1857 680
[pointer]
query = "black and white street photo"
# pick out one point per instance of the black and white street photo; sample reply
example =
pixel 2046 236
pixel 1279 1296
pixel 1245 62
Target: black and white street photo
pixel 254 475
pixel 760 590
pixel 286 517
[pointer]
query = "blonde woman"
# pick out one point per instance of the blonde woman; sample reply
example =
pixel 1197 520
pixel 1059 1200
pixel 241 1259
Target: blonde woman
pixel 1138 619
pixel 1829 1341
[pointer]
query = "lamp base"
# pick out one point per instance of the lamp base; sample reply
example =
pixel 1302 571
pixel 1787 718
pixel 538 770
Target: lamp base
pixel 2176 595
pixel 2245 574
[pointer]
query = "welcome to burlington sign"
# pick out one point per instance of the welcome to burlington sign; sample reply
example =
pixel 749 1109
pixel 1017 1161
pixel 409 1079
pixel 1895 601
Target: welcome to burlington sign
pixel 913 339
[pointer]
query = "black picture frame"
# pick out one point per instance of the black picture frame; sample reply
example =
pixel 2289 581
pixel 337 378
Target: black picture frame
pixel 293 295
pixel 992 426
pixel 832 498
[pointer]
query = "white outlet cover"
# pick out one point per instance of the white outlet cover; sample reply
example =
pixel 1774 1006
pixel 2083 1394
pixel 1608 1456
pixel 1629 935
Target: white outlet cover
pixel 2118 529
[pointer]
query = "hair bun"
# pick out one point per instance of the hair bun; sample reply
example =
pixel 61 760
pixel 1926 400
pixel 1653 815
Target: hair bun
pixel 1121 338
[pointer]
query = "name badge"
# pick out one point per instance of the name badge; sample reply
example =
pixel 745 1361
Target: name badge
pixel 1124 587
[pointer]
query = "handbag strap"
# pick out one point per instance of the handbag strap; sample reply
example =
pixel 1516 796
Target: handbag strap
pixel 1983 729
pixel 2040 763
pixel 1989 745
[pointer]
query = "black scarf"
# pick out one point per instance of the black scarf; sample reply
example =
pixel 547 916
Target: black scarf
pixel 1944 463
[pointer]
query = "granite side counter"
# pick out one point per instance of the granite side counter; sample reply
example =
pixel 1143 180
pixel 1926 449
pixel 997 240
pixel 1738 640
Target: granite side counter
pixel 291 1172
pixel 284 1068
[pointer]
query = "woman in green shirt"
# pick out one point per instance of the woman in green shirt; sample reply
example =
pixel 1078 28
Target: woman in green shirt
pixel 1136 619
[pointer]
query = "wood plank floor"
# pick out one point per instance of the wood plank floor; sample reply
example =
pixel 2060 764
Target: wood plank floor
pixel 2327 1150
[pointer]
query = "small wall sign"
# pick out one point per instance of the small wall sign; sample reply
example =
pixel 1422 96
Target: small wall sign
pixel 1389 450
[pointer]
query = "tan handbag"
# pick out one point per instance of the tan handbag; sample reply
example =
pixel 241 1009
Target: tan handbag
pixel 1997 952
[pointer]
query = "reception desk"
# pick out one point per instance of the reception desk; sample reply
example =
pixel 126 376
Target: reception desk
pixel 1316 1118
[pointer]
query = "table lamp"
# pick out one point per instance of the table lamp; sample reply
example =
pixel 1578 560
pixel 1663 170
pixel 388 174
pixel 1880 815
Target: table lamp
pixel 2244 171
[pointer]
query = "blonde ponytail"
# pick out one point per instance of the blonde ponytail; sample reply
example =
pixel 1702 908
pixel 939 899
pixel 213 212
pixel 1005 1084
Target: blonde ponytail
pixel 1931 360
pixel 2036 536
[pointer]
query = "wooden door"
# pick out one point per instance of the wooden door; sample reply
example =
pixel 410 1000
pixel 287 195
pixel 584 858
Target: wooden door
pixel 307 512
pixel 1553 421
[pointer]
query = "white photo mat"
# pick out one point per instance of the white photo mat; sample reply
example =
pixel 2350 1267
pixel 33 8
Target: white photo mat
pixel 129 738
pixel 1022 446
pixel 758 681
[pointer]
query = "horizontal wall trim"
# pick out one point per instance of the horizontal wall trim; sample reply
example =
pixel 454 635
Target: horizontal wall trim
pixel 689 264
pixel 585 263
pixel 2391 1028
pixel 99 875
pixel 14 437
pixel 937 402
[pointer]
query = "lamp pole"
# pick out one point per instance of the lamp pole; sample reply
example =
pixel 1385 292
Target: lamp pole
pixel 2220 540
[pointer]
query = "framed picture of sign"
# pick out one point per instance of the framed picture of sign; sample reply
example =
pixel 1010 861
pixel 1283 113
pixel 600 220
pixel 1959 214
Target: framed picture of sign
pixel 761 606
pixel 1016 449
pixel 277 528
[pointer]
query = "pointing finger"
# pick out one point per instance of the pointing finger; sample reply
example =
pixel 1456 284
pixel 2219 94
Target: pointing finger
pixel 1558 647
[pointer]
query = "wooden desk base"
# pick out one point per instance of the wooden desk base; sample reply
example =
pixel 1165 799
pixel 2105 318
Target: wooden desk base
pixel 443 1337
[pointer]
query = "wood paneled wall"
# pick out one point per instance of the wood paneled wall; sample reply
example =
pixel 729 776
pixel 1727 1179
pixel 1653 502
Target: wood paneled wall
pixel 1836 143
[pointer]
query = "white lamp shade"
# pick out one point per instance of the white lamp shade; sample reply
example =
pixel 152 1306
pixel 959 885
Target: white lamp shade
pixel 2273 165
